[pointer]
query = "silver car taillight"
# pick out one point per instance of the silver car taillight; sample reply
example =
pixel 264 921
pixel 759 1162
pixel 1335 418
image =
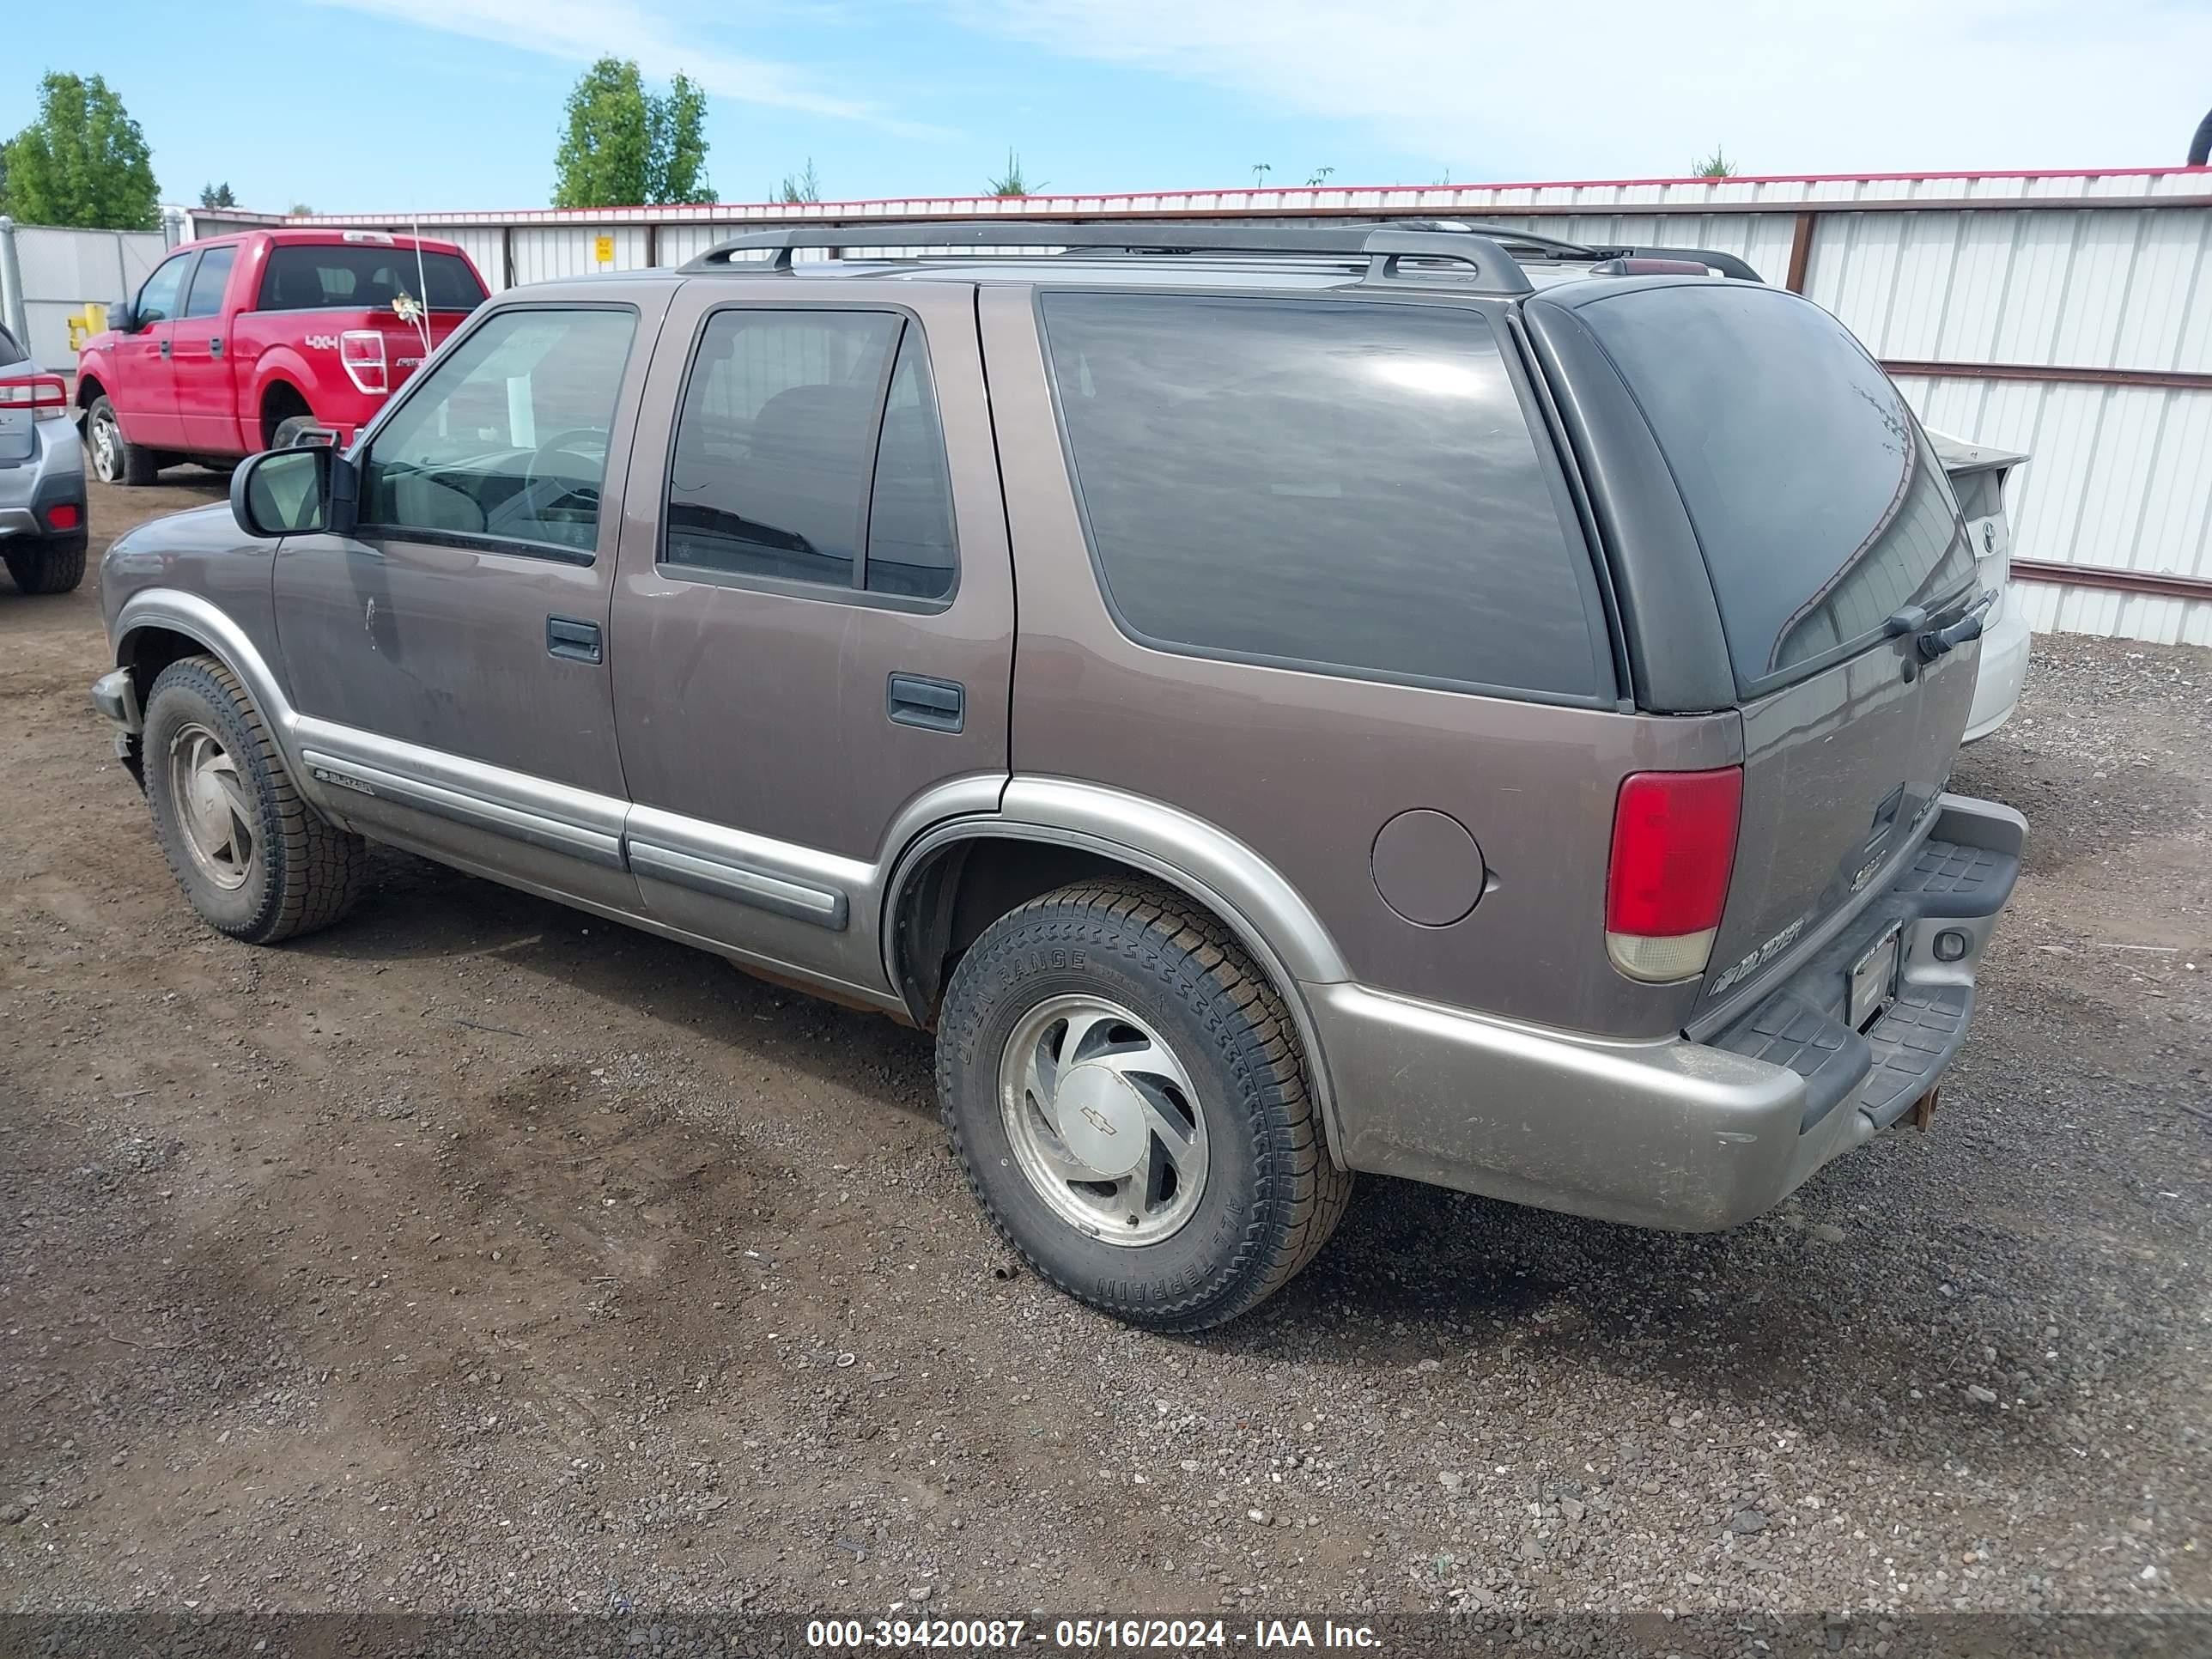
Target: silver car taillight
pixel 44 395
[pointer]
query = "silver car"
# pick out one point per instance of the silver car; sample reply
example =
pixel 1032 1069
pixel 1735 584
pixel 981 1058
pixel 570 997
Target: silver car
pixel 42 505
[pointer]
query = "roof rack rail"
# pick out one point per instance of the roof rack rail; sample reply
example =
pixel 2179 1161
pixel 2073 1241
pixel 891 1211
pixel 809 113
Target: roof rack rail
pixel 1551 246
pixel 1381 246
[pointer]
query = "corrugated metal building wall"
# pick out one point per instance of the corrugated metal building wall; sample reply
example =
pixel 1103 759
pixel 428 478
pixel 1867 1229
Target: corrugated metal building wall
pixel 2065 314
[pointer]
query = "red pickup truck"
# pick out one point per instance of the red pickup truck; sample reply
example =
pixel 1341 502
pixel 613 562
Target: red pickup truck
pixel 236 344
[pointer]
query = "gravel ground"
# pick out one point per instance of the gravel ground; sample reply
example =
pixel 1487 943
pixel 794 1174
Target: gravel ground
pixel 480 1255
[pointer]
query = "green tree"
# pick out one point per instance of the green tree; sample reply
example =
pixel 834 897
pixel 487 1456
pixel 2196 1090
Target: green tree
pixel 802 187
pixel 1012 181
pixel 83 162
pixel 216 195
pixel 1716 165
pixel 626 147
pixel 679 144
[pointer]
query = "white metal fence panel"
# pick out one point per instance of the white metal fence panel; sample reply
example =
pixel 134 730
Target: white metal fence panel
pixel 63 269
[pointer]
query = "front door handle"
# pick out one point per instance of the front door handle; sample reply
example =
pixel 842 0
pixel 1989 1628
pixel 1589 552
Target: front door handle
pixel 165 345
pixel 215 345
pixel 571 641
pixel 933 705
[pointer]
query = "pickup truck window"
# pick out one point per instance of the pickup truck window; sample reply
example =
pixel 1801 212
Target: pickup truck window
pixel 363 276
pixel 506 438
pixel 157 301
pixel 209 282
pixel 808 449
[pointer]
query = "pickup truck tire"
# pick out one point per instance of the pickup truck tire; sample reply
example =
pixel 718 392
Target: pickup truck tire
pixel 288 429
pixel 1135 1009
pixel 51 567
pixel 257 861
pixel 115 458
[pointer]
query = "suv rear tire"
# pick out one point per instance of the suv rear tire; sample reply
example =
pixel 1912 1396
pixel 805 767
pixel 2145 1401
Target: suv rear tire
pixel 115 458
pixel 257 861
pixel 1116 1030
pixel 49 567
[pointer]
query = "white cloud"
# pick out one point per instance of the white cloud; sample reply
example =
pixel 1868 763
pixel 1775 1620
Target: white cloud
pixel 662 41
pixel 1628 88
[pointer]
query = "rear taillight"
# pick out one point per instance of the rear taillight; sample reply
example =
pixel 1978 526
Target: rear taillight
pixel 1674 846
pixel 44 395
pixel 64 517
pixel 362 352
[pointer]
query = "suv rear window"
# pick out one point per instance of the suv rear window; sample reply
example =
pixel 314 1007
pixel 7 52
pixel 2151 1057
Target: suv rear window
pixel 1819 504
pixel 1344 486
pixel 363 275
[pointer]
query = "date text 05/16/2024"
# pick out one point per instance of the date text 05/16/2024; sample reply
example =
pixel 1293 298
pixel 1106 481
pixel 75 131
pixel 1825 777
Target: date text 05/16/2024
pixel 1087 1635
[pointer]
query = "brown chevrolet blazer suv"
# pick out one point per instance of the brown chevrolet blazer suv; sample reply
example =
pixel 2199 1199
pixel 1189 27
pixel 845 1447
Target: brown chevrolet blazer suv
pixel 1275 702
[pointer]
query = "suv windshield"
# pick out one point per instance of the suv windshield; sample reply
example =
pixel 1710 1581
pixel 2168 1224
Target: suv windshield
pixel 1820 505
pixel 366 276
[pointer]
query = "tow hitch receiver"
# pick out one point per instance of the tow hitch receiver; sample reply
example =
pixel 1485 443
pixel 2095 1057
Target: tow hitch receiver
pixel 1923 1109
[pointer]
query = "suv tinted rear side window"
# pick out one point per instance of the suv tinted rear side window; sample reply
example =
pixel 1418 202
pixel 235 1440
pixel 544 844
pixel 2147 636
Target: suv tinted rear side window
pixel 808 450
pixel 1350 487
pixel 1820 505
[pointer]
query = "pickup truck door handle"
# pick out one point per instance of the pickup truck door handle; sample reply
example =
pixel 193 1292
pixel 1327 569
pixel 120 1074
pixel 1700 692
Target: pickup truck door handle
pixel 933 705
pixel 572 641
pixel 215 345
pixel 165 345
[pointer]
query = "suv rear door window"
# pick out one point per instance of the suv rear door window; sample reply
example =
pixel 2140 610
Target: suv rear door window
pixel 363 276
pixel 805 437
pixel 1345 486
pixel 1819 504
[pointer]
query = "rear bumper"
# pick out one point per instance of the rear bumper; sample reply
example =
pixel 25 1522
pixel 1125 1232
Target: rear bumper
pixel 52 477
pixel 1676 1134
pixel 2002 671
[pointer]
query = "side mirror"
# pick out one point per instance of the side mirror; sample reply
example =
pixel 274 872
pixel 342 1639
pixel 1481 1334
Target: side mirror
pixel 122 316
pixel 292 492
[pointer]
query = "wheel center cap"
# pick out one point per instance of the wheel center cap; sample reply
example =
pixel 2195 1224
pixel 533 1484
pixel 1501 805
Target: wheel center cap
pixel 1102 1120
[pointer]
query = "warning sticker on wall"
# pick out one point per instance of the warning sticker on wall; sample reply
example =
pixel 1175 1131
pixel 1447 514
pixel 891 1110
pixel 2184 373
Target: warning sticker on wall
pixel 603 250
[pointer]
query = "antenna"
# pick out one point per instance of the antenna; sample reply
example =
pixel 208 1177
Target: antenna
pixel 422 281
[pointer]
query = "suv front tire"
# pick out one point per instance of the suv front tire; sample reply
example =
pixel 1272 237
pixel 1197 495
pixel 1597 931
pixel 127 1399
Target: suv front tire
pixel 1125 1093
pixel 257 861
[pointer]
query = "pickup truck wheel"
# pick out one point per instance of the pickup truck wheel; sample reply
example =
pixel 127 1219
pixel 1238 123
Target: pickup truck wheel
pixel 115 458
pixel 257 861
pixel 47 567
pixel 289 430
pixel 1125 1093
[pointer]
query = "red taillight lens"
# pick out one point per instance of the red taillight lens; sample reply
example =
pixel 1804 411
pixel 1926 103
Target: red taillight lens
pixel 44 395
pixel 64 517
pixel 1673 846
pixel 362 351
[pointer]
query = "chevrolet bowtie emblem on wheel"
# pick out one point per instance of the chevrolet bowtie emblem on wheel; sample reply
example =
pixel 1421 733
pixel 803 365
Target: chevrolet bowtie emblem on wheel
pixel 1098 1121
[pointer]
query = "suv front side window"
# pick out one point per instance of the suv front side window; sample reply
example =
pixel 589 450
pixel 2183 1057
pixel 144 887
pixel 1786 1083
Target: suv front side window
pixel 506 438
pixel 808 450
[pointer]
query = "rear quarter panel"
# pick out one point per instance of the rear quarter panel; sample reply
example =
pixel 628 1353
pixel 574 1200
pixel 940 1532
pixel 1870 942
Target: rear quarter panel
pixel 1305 769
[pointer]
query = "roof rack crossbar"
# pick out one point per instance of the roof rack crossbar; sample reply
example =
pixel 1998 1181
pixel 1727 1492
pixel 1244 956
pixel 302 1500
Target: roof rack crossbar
pixel 1381 248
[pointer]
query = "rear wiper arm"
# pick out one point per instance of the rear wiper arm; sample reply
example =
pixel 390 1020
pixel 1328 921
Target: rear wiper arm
pixel 1934 642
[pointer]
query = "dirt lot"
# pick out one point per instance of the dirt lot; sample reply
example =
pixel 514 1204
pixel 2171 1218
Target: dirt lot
pixel 478 1253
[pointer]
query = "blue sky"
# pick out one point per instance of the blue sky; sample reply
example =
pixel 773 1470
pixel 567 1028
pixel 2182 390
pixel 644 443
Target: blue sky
pixel 383 105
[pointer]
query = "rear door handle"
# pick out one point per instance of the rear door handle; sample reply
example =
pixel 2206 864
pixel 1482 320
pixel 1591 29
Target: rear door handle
pixel 932 705
pixel 571 641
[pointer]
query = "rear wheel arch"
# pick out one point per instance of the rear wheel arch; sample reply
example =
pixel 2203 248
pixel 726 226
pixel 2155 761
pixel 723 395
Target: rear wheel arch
pixel 955 881
pixel 280 400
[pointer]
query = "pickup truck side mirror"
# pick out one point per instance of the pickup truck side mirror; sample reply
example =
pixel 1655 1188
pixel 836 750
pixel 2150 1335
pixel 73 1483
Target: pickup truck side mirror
pixel 295 492
pixel 122 316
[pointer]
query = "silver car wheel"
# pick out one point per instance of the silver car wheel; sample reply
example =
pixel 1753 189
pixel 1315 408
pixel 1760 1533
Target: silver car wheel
pixel 213 809
pixel 1103 1120
pixel 107 448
